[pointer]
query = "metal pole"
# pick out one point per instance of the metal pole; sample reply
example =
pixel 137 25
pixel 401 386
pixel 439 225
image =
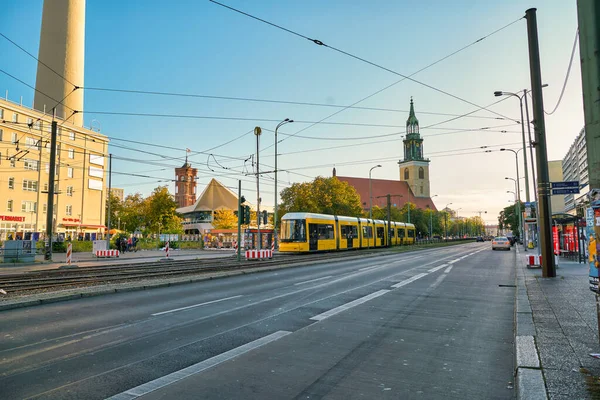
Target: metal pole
pixel 51 181
pixel 275 220
pixel 109 198
pixel 408 204
pixel 524 152
pixel 533 178
pixel 257 132
pixel 430 224
pixel 389 207
pixel 370 196
pixel 544 212
pixel 239 225
pixel 518 207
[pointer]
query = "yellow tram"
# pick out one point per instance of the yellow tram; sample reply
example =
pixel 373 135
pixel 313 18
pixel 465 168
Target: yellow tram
pixel 309 232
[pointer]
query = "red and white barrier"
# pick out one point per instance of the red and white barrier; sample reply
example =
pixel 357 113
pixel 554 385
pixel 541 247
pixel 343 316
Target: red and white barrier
pixel 534 260
pixel 235 245
pixel 69 253
pixel 258 254
pixel 272 245
pixel 107 253
pixel 167 249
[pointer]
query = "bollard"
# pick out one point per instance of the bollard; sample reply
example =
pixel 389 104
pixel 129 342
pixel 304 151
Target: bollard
pixel 167 249
pixel 69 252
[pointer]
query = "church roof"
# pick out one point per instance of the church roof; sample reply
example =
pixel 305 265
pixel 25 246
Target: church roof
pixel 215 196
pixel 381 187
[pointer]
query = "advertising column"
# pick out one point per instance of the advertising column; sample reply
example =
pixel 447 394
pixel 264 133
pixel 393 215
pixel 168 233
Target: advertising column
pixel 593 234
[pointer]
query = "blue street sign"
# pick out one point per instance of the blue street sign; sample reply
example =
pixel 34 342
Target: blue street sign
pixel 565 184
pixel 565 191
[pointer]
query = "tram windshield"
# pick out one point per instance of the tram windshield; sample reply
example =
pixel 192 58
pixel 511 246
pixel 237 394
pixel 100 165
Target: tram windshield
pixel 293 230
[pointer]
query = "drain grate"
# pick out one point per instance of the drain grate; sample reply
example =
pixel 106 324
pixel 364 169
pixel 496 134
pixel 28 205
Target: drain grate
pixel 507 285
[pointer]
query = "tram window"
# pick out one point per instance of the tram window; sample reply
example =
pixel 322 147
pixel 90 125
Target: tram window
pixel 411 233
pixel 353 231
pixel 380 232
pixel 400 232
pixel 391 232
pixel 367 232
pixel 325 232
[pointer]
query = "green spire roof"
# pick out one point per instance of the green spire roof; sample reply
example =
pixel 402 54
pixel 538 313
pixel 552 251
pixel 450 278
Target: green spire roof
pixel 412 119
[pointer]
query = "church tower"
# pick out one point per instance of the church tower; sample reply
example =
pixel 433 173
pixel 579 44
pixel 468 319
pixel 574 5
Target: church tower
pixel 414 168
pixel 185 186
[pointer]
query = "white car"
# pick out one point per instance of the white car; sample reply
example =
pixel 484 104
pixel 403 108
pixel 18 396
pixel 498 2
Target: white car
pixel 500 242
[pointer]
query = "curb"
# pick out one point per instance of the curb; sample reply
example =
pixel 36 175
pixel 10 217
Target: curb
pixel 530 383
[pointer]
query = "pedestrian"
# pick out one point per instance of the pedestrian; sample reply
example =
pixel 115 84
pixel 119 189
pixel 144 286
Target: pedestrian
pixel 134 241
pixel 129 244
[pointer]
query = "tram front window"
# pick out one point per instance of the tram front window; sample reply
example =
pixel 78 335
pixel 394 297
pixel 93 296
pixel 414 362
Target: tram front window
pixel 293 230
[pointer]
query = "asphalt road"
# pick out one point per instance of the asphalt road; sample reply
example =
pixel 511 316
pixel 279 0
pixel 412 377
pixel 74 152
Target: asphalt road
pixel 430 324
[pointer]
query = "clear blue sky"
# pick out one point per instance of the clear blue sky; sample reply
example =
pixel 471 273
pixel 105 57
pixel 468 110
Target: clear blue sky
pixel 190 46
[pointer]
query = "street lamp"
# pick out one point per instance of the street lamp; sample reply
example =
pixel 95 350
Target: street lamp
pixel 518 208
pixel 501 93
pixel 518 189
pixel 285 121
pixel 371 192
pixel 446 222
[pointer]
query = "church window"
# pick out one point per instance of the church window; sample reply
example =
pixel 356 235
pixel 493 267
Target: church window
pixel 421 189
pixel 421 174
pixel 406 174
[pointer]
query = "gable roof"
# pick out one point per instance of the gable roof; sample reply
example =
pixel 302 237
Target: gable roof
pixel 382 187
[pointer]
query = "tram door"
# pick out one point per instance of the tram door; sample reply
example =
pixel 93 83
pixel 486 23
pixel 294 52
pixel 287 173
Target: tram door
pixel 313 241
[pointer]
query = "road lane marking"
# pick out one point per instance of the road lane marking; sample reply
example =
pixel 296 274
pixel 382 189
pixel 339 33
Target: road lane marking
pixel 453 261
pixel 195 305
pixel 176 376
pixel 372 267
pixel 406 282
pixel 349 305
pixel 313 280
pixel 448 269
pixel 438 268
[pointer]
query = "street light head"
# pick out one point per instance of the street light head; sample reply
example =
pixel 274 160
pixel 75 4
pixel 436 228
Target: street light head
pixel 378 165
pixel 506 177
pixel 488 151
pixel 498 93
pixel 545 85
pixel 502 149
pixel 286 120
pixel 290 121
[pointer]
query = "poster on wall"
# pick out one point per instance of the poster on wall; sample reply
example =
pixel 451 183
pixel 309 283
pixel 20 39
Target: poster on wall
pixel 592 231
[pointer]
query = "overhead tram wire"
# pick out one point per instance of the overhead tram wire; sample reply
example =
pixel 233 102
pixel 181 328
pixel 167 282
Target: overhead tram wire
pixel 562 91
pixel 320 43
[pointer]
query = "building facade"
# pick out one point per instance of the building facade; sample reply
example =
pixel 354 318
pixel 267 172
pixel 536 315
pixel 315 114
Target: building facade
pixel 414 168
pixel 81 160
pixel 575 168
pixel 555 173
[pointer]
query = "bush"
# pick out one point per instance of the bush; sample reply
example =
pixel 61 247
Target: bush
pixel 191 245
pixel 83 246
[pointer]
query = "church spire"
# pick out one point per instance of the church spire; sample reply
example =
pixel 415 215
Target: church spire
pixel 412 123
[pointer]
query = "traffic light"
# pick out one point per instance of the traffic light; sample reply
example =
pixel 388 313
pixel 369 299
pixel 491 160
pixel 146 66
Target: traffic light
pixel 265 217
pixel 242 200
pixel 246 215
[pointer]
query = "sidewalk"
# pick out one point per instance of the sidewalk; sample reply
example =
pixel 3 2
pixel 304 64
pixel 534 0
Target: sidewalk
pixel 90 260
pixel 560 314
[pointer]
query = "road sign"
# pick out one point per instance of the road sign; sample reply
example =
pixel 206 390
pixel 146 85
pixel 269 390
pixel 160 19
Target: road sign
pixel 565 184
pixel 531 220
pixel 568 190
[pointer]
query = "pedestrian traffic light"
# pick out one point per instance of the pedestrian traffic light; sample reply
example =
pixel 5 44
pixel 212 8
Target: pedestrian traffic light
pixel 242 200
pixel 246 215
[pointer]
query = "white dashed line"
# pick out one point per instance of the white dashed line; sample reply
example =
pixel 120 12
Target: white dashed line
pixel 347 306
pixel 196 305
pixel 406 282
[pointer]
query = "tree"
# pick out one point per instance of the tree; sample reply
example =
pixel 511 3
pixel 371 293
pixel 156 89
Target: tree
pixel 225 219
pixel 132 213
pixel 509 218
pixel 322 195
pixel 160 214
pixel 116 208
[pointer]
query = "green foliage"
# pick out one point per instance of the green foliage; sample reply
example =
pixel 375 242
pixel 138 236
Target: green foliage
pixel 225 219
pixel 160 215
pixel 509 218
pixel 322 195
pixel 84 246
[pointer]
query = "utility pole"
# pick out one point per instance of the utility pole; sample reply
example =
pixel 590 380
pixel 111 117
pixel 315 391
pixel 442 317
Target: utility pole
pixel 51 180
pixel 544 211
pixel 588 14
pixel 109 197
pixel 239 225
pixel 257 132
pixel 389 209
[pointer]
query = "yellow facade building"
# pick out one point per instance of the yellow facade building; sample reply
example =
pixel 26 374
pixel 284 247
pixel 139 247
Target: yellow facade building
pixel 81 163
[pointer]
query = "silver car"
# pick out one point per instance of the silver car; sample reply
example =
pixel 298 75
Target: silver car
pixel 500 242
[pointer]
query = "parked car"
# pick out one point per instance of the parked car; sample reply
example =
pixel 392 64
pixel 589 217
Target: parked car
pixel 501 242
pixel 479 239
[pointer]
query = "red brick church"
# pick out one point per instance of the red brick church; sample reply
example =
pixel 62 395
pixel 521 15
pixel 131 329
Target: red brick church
pixel 413 185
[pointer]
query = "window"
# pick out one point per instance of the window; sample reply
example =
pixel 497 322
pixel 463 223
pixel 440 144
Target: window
pixel 293 230
pixel 37 125
pixel 176 189
pixel 30 122
pixel 0 133
pixel 30 164
pixel 9 205
pixel 70 172
pixel 13 138
pixel 411 233
pixel 421 189
pixel 45 187
pixel 32 143
pixel 69 210
pixel 400 232
pixel 45 208
pixel 11 183
pixel 1 113
pixel 349 231
pixel 71 153
pixel 72 135
pixel 421 173
pixel 15 117
pixel 28 206
pixel 30 186
pixel 13 162
pixel 70 191
pixel 367 232
pixel 325 231
pixel 406 174
pixel 47 168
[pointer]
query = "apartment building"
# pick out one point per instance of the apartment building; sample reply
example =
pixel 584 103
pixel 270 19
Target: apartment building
pixel 80 183
pixel 575 168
